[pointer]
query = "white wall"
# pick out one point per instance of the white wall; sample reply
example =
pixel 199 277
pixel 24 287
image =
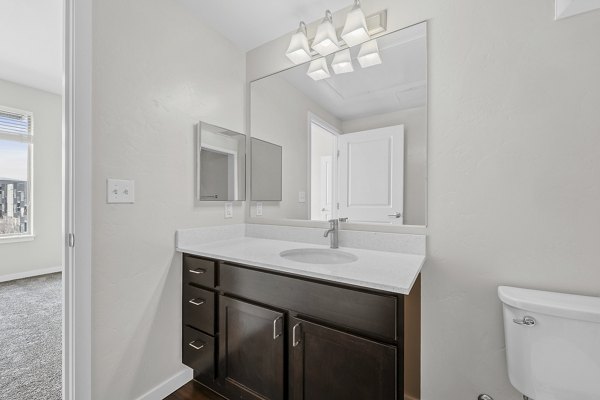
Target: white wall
pixel 157 70
pixel 45 251
pixel 514 161
pixel 280 115
pixel 415 156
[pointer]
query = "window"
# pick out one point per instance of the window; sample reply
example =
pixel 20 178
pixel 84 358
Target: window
pixel 16 158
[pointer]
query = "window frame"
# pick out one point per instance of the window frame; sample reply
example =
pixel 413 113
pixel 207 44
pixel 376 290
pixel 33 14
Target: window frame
pixel 30 140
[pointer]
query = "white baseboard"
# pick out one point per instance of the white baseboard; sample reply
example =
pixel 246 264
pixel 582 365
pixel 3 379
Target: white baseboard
pixel 29 274
pixel 169 386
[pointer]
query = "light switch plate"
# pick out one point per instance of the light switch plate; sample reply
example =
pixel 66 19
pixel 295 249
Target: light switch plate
pixel 301 197
pixel 228 210
pixel 259 209
pixel 120 191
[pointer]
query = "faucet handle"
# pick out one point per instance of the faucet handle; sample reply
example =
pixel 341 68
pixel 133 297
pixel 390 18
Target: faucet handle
pixel 345 219
pixel 333 222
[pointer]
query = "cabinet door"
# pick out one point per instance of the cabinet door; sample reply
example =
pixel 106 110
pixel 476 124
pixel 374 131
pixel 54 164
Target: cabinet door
pixel 329 364
pixel 251 350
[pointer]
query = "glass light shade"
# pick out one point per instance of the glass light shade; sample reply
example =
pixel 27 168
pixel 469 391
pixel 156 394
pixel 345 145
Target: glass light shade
pixel 326 40
pixel 369 54
pixel 342 62
pixel 355 29
pixel 318 69
pixel 298 51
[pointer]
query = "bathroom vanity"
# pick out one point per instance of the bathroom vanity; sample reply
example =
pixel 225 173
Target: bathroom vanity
pixel 269 311
pixel 267 328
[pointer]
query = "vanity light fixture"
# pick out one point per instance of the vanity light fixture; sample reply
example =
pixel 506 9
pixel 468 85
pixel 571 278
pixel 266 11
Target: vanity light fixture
pixel 342 62
pixel 326 40
pixel 318 69
pixel 369 54
pixel 355 29
pixel 298 51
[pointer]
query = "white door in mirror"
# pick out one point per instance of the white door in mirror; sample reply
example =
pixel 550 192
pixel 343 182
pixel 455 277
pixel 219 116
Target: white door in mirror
pixel 371 168
pixel 326 188
pixel 120 191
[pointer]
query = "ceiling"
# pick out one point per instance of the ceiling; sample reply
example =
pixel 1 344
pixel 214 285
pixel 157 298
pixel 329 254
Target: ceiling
pixel 31 43
pixel 399 83
pixel 251 23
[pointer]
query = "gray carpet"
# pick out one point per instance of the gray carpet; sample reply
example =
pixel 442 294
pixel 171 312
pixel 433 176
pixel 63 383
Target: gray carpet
pixel 31 338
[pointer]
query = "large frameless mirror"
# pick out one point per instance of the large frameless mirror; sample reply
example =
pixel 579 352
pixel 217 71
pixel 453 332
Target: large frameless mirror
pixel 352 129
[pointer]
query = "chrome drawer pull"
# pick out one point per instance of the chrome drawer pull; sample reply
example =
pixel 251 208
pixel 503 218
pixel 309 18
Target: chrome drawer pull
pixel 294 341
pixel 197 302
pixel 198 271
pixel 197 347
pixel 275 334
pixel 526 321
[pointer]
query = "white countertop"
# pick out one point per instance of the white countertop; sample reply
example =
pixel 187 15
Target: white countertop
pixel 381 270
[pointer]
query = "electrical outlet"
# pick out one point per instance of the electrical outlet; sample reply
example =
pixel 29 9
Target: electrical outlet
pixel 301 197
pixel 119 191
pixel 228 210
pixel 259 209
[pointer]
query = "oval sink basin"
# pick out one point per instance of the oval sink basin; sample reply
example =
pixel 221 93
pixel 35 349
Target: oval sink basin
pixel 319 256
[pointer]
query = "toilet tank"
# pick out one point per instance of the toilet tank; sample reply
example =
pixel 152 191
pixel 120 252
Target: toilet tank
pixel 552 343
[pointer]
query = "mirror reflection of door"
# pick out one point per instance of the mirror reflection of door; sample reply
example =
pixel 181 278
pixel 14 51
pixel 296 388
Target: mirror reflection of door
pixel 371 165
pixel 218 174
pixel 326 188
pixel 323 147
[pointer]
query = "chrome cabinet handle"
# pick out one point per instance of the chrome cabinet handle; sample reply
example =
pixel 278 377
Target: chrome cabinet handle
pixel 294 341
pixel 198 271
pixel 197 347
pixel 197 302
pixel 526 321
pixel 275 334
pixel 396 215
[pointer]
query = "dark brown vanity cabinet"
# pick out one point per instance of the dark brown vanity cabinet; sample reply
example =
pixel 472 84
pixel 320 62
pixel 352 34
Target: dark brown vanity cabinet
pixel 255 334
pixel 199 300
pixel 251 350
pixel 330 364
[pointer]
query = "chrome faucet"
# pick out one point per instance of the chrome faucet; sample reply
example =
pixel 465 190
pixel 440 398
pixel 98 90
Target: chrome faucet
pixel 334 230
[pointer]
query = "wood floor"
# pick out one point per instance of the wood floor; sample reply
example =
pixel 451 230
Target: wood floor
pixel 193 391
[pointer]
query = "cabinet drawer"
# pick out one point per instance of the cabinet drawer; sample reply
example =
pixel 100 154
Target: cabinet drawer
pixel 199 271
pixel 370 313
pixel 198 351
pixel 199 308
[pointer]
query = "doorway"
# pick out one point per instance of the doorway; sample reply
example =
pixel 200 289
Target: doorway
pixel 323 156
pixel 32 204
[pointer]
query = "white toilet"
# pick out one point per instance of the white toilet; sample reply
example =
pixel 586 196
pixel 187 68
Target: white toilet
pixel 552 344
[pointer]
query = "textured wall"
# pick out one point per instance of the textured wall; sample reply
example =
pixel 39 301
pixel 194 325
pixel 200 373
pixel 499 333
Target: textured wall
pixel 514 167
pixel 45 251
pixel 157 71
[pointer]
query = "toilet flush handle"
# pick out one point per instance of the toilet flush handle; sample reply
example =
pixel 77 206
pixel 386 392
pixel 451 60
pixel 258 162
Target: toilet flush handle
pixel 526 321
